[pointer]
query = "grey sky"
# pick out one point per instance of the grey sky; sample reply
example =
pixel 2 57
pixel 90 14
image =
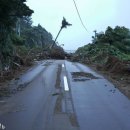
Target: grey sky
pixel 96 14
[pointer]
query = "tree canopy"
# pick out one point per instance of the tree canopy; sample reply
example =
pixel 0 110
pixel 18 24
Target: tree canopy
pixel 113 42
pixel 10 10
pixel 113 35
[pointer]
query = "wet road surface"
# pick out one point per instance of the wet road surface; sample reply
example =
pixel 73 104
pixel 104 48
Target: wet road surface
pixel 62 95
pixel 98 104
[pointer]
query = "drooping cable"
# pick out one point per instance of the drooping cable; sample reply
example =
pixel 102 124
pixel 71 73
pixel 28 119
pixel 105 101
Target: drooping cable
pixel 79 16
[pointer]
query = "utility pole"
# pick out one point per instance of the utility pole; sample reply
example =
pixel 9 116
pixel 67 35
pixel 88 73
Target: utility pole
pixel 95 32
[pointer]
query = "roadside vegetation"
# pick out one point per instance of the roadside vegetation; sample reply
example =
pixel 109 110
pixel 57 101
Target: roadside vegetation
pixel 109 53
pixel 20 42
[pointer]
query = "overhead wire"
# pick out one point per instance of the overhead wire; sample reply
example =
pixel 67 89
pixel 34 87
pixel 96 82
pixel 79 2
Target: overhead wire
pixel 79 15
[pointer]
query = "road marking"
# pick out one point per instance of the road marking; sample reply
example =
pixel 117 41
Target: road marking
pixel 66 84
pixel 63 65
pixel 2 127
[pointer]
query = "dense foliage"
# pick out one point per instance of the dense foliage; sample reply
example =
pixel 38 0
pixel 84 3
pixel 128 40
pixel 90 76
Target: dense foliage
pixel 112 42
pixel 18 38
pixel 10 12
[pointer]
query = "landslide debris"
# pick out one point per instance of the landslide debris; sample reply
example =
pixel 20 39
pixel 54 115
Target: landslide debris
pixel 82 76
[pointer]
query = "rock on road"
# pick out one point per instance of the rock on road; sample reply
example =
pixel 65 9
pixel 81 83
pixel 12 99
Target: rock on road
pixel 61 95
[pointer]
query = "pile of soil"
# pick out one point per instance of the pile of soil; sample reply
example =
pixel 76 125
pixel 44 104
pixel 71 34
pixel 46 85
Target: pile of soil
pixel 114 65
pixel 57 54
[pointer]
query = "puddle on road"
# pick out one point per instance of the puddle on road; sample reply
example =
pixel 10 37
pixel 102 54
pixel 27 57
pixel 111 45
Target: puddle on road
pixel 82 76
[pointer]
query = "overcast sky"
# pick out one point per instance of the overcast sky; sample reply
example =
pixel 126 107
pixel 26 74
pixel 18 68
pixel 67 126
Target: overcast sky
pixel 96 14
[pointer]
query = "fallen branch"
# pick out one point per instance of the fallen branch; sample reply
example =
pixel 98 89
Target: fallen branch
pixel 17 64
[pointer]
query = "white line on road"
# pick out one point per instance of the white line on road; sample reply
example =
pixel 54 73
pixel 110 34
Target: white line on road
pixel 66 84
pixel 63 65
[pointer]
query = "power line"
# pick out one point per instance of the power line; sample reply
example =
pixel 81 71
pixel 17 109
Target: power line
pixel 79 15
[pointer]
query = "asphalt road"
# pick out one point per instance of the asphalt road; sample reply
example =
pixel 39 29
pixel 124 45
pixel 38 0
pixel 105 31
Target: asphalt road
pixel 61 95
